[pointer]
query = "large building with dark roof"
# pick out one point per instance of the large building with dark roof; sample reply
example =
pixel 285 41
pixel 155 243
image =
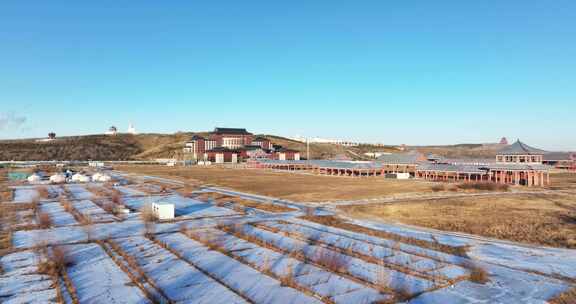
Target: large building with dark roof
pixel 232 145
pixel 516 164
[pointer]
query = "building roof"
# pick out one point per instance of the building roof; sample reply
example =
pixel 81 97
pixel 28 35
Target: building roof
pixel 221 149
pixel 452 168
pixel 252 147
pixel 559 156
pixel 332 164
pixel 197 137
pixel 235 131
pixel 412 157
pixel 260 138
pixel 517 167
pixel 520 148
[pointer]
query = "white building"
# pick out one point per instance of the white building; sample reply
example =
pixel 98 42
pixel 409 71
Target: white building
pixel 80 178
pixel 58 178
pixel 34 178
pixel 131 129
pixel 99 177
pixel 112 131
pixel 163 211
pixel 96 164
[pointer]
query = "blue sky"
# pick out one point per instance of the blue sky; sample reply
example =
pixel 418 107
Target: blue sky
pixel 414 72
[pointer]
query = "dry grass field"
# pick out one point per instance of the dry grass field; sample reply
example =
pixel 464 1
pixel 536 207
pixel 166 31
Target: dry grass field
pixel 296 187
pixel 563 181
pixel 546 219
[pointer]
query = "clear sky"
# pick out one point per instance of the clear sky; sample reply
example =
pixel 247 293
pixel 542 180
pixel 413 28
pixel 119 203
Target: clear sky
pixel 414 72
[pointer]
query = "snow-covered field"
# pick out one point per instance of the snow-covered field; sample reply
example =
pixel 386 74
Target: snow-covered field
pixel 213 254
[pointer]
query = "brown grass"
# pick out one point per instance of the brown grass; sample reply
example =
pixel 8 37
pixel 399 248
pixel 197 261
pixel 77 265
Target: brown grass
pixel 6 195
pixel 44 220
pixel 283 185
pixel 333 261
pixel 545 219
pixel 55 266
pixel 339 223
pixel 567 297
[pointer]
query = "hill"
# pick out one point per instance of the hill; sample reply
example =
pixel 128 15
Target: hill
pixel 153 146
pixel 97 147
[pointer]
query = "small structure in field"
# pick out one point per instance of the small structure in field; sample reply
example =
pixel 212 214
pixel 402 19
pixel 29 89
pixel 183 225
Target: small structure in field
pixel 34 178
pixel 163 211
pixel 80 178
pixel 58 178
pixel 112 131
pixel 402 175
pixel 131 129
pixel 99 177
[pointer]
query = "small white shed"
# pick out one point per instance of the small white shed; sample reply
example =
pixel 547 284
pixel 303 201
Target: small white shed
pixel 34 178
pixel 80 178
pixel 99 177
pixel 58 178
pixel 163 211
pixel 403 175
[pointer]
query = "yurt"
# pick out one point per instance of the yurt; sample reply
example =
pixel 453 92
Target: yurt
pixel 80 178
pixel 34 178
pixel 58 178
pixel 99 177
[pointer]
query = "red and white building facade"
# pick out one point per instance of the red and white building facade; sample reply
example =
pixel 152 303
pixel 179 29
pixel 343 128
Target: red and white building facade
pixel 225 145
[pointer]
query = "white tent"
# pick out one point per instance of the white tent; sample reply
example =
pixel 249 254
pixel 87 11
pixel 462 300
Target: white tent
pixel 99 177
pixel 58 178
pixel 34 178
pixel 80 178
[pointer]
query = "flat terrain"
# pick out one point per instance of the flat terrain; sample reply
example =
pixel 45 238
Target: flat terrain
pixel 69 244
pixel 296 187
pixel 545 219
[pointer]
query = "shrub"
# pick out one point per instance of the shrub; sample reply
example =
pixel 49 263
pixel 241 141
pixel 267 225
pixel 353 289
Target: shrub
pixel 438 188
pixel 56 263
pixel 44 220
pixel 332 260
pixel 117 199
pixel 567 297
pixel 43 192
pixel 477 274
pixel 484 186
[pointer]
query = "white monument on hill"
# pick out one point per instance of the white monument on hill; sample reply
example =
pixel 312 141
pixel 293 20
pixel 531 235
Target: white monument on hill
pixel 131 129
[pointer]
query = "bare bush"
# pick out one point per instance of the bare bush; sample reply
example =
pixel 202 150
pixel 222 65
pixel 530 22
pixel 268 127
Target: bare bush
pixel 477 273
pixel 117 199
pixel 332 260
pixel 67 205
pixel 309 211
pixel 382 277
pixel 438 188
pixel 288 278
pixel 56 262
pixel 148 218
pixel 484 187
pixel 43 192
pixel 147 214
pixel 44 220
pixel 567 297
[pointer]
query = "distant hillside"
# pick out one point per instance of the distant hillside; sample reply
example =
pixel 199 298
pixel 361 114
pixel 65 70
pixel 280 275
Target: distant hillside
pixel 97 147
pixel 153 146
pixel 462 150
pixel 328 151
